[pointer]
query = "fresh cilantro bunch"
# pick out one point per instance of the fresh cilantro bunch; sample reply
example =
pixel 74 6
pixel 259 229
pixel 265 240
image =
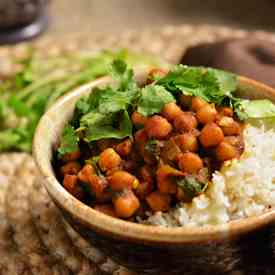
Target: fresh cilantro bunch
pixel 106 112
pixel 215 86
pixel 25 96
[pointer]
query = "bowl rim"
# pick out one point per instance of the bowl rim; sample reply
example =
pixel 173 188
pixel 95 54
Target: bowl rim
pixel 118 228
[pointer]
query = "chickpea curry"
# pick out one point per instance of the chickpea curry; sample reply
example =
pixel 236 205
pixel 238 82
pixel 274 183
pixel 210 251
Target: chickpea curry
pixel 130 149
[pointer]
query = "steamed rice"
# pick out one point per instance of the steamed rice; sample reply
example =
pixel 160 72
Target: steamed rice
pixel 243 188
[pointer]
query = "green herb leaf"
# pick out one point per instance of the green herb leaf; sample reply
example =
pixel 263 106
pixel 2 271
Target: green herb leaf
pixel 110 100
pixel 152 99
pixel 19 106
pixel 98 126
pixel 119 67
pixel 153 148
pixel 94 162
pixel 2 111
pixel 16 139
pixel 69 141
pixel 210 84
pixel 41 81
pixel 123 75
pixel 8 138
pixel 82 105
pixel 191 186
pixel 227 81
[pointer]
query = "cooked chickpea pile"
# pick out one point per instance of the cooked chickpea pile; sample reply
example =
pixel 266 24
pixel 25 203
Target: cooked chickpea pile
pixel 132 176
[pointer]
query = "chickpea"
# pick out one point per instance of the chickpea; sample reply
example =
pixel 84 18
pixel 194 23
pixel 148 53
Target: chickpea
pixel 109 159
pixel 98 185
pixel 185 101
pixel 206 114
pixel 229 126
pixel 71 168
pixel 190 162
pixel 138 119
pixel 225 111
pixel 120 180
pixel 71 156
pixel 85 173
pixel 70 183
pixel 157 127
pixel 233 129
pixel 143 189
pixel 171 110
pixel 145 174
pixel 169 150
pixel 237 142
pixel 126 204
pixel 226 151
pixel 187 142
pixel 156 73
pixel 158 201
pixel 211 135
pixel 124 148
pixel 185 122
pixel 197 103
pixel 113 170
pixel 165 179
pixel 107 209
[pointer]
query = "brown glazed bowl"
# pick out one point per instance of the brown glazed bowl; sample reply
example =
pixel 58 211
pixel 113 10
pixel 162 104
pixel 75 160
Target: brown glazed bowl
pixel 151 249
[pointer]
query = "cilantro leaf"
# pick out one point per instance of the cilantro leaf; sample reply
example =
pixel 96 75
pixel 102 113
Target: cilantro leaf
pixel 97 126
pixel 104 113
pixel 119 67
pixel 152 147
pixel 16 139
pixel 123 75
pixel 8 138
pixel 94 162
pixel 227 81
pixel 41 80
pixel 191 186
pixel 210 84
pixel 2 111
pixel 110 100
pixel 152 99
pixel 19 106
pixel 69 141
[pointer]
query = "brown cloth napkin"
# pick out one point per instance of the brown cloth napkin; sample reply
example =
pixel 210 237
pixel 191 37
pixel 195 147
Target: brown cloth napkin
pixel 248 57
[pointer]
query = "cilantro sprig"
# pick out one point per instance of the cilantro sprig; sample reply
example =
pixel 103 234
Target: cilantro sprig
pixel 106 112
pixel 69 141
pixel 25 96
pixel 210 84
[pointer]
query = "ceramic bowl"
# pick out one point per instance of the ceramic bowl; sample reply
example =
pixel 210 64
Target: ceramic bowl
pixel 151 249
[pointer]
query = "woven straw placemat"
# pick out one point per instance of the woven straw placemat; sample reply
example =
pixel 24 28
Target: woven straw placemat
pixel 169 43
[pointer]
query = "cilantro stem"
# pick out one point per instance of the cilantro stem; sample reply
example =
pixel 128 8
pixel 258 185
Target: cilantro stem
pixel 57 76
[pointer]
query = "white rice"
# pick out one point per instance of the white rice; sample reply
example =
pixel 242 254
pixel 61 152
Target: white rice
pixel 242 188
